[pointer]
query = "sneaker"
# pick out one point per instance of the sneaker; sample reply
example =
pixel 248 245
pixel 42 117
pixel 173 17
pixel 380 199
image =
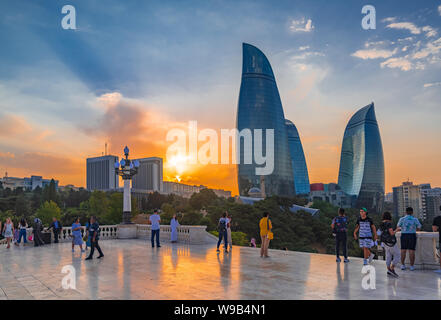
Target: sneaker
pixel 403 267
pixel 100 256
pixel 158 246
pixel 371 257
pixel 365 262
pixel 338 260
pixel 226 251
pixel 346 260
pixel 88 258
pixel 389 273
pixel 411 268
pixel 395 274
pixel 217 250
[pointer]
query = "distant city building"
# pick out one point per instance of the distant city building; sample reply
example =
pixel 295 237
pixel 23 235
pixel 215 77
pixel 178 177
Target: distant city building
pixel 361 171
pixel 100 173
pixel 186 190
pixel 26 183
pixel 298 161
pixel 433 205
pixel 149 176
pixel 389 197
pixel 68 187
pixel 260 107
pixel 331 193
pixel 415 196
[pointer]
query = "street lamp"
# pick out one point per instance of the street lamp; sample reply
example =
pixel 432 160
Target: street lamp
pixel 126 169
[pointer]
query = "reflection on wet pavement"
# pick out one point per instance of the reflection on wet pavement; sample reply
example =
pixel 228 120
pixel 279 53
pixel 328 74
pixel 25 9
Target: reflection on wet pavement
pixel 131 269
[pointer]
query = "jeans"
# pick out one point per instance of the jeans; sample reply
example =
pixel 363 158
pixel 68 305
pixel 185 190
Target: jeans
pixel 22 234
pixel 92 250
pixel 155 233
pixel 56 235
pixel 223 234
pixel 341 239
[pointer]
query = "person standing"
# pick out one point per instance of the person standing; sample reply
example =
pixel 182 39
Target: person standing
pixel 36 230
pixel 88 237
pixel 229 239
pixel 174 224
pixel 22 231
pixel 94 231
pixel 8 231
pixel 408 225
pixel 436 227
pixel 340 228
pixel 266 234
pixel 76 234
pixel 155 219
pixel 222 228
pixel 389 243
pixel 56 229
pixel 366 229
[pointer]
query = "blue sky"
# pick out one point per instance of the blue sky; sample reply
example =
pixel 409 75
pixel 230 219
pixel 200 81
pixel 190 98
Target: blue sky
pixel 64 92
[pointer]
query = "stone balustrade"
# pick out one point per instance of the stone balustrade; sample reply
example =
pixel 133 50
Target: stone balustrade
pixel 186 234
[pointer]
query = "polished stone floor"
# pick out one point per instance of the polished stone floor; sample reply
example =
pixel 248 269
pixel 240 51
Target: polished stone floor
pixel 131 269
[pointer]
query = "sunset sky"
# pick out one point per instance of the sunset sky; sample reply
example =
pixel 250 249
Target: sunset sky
pixel 132 70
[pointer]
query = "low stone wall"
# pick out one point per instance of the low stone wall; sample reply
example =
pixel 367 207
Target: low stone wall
pixel 426 255
pixel 186 234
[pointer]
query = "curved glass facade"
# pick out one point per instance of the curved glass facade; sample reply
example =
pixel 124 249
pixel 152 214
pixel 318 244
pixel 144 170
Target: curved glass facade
pixel 259 107
pixel 362 162
pixel 298 161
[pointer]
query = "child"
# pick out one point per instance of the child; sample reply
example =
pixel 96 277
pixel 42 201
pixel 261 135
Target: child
pixel 389 243
pixel 340 227
pixel 16 234
pixel 366 229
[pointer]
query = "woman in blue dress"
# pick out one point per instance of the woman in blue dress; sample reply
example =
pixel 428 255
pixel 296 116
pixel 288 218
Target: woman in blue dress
pixel 77 238
pixel 174 224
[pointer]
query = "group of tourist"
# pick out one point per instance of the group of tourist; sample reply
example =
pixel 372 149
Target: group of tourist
pixel 367 235
pixel 16 234
pixel 155 220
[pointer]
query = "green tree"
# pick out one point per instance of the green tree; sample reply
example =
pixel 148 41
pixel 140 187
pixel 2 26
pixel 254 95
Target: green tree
pixel 202 199
pixel 98 205
pixel 47 211
pixel 22 206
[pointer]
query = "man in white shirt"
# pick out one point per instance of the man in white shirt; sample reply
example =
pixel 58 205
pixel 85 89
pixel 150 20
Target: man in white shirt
pixel 154 220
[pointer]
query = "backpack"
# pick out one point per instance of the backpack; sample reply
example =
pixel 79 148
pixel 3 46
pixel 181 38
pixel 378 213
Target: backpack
pixel 340 224
pixel 222 225
pixel 385 236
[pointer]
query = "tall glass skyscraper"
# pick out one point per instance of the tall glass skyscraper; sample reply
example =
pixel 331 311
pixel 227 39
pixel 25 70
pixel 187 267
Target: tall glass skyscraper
pixel 300 170
pixel 260 107
pixel 362 163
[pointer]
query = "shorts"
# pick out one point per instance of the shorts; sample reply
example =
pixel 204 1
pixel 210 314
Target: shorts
pixel 366 243
pixel 408 241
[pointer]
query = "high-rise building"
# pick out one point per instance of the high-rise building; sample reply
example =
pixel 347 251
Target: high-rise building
pixel 101 173
pixel 407 195
pixel 260 107
pixel 298 161
pixel 433 206
pixel 362 164
pixel 149 176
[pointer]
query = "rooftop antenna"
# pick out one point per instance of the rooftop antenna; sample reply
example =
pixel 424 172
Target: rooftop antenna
pixel 105 149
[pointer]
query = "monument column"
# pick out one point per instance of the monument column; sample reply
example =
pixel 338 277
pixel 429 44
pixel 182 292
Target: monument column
pixel 126 169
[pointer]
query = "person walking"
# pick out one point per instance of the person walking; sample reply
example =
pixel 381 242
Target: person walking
pixel 389 243
pixel 340 228
pixel 222 228
pixel 77 238
pixel 8 231
pixel 88 236
pixel 436 227
pixel 22 226
pixel 408 225
pixel 56 229
pixel 366 229
pixel 174 224
pixel 229 239
pixel 266 234
pixel 94 231
pixel 36 230
pixel 155 219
